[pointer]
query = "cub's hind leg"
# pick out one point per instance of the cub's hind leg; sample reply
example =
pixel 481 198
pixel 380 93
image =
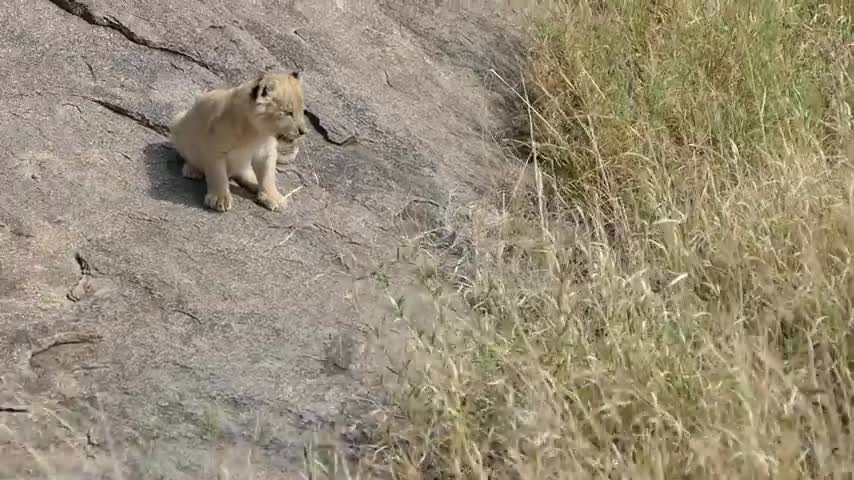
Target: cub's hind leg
pixel 189 171
pixel 247 179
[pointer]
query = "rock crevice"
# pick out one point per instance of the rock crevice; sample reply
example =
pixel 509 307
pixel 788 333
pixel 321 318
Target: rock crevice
pixel 84 11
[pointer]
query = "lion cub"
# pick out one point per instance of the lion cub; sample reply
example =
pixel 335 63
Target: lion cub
pixel 232 134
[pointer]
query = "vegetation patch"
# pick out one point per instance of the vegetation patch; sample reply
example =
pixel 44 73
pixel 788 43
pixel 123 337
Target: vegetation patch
pixel 672 296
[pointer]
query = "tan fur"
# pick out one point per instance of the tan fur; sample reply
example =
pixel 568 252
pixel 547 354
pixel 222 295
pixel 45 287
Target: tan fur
pixel 232 134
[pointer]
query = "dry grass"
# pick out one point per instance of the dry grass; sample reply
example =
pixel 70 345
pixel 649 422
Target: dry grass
pixel 685 312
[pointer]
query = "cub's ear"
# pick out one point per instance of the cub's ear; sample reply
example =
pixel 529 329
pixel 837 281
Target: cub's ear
pixel 262 88
pixel 257 90
pixel 297 74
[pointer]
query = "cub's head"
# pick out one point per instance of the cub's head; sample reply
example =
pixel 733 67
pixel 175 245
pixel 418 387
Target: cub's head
pixel 278 105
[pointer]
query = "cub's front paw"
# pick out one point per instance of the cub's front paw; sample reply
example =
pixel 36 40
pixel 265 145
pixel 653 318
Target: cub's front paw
pixel 272 201
pixel 220 203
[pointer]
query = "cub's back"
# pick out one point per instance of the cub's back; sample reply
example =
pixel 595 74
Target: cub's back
pixel 190 127
pixel 207 108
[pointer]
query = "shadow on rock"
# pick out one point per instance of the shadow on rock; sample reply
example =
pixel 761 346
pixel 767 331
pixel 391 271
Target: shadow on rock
pixel 163 165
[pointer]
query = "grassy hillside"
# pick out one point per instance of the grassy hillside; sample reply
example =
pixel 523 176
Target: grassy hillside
pixel 672 298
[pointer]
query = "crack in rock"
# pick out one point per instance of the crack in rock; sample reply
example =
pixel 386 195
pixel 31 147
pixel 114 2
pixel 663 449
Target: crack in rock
pixel 91 282
pixel 18 232
pixel 325 133
pixel 15 409
pixel 84 11
pixel 83 264
pixel 132 115
pixel 388 80
pixel 68 338
pixel 76 293
pixel 79 290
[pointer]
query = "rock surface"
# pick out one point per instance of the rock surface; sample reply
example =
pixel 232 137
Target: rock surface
pixel 136 324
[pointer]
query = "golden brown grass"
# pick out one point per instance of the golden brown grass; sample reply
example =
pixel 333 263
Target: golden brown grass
pixel 676 300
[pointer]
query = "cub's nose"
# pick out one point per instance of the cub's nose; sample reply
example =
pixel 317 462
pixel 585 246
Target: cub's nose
pixel 301 129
